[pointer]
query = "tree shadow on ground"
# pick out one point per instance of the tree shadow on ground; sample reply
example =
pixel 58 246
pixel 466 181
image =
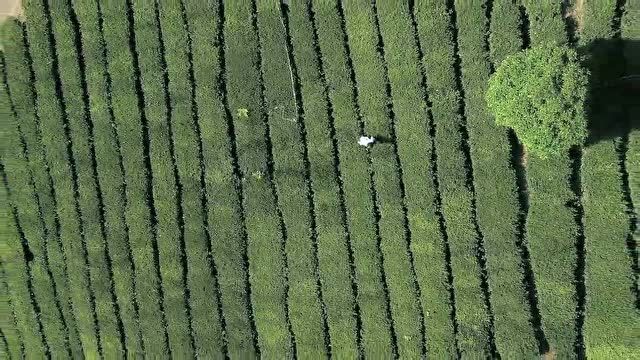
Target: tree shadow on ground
pixel 614 88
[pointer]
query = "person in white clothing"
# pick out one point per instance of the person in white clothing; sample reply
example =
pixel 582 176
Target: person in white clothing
pixel 366 140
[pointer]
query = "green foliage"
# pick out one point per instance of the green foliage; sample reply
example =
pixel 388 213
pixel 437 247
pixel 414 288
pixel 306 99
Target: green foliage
pixel 88 201
pixel 122 129
pixel 611 317
pixel 289 153
pixel 457 197
pixel 187 144
pixel 109 172
pixel 551 229
pixel 15 276
pixel 16 272
pixel 265 238
pixel 540 93
pixel 631 49
pixel 425 245
pixel 12 339
pixel 165 194
pixel 494 176
pixel 390 243
pixel 127 119
pixel 23 103
pixel 55 140
pixel 416 152
pixel 333 248
pixel 228 242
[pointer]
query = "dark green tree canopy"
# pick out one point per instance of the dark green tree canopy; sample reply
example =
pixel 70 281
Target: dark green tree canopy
pixel 540 93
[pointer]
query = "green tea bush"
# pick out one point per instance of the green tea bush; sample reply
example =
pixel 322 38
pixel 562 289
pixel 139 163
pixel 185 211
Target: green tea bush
pixel 226 228
pixel 289 153
pixel 333 247
pixel 109 171
pixel 265 239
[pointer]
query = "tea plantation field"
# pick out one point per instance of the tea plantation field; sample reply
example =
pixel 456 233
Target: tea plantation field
pixel 182 179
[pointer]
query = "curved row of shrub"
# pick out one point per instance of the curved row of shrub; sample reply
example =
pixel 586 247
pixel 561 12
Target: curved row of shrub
pixel 396 237
pixel 19 79
pixel 108 320
pixel 167 198
pixel 24 204
pixel 379 236
pixel 369 75
pixel 54 136
pixel 454 179
pixel 11 344
pixel 129 124
pixel 16 270
pixel 403 119
pixel 333 233
pixel 265 239
pixel 290 173
pixel 494 176
pixel 109 169
pixel 226 227
pixel 611 320
pixel 184 119
pixel 551 228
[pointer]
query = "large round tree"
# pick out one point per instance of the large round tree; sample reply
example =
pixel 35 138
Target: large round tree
pixel 540 93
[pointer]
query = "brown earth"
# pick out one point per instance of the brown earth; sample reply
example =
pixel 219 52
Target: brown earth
pixel 10 8
pixel 576 12
pixel 550 355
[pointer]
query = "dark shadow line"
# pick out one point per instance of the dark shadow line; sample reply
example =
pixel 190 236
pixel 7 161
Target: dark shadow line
pixel 270 172
pixel 297 90
pixel 518 158
pixel 577 209
pixel 203 194
pixel 94 167
pixel 337 174
pixel 55 66
pixel 525 27
pixel 570 23
pixel 622 147
pixel 237 172
pixel 528 279
pixel 579 272
pixel 118 150
pixel 176 177
pixel 616 22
